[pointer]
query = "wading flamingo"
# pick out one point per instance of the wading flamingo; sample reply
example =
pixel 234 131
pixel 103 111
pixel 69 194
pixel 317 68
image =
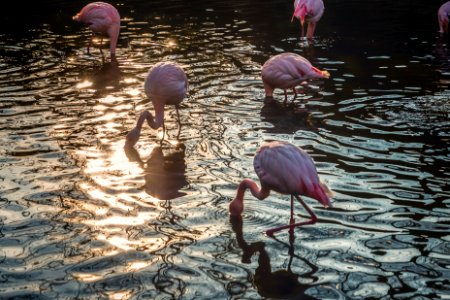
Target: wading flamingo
pixel 310 11
pixel 101 18
pixel 287 70
pixel 286 169
pixel 166 84
pixel 443 13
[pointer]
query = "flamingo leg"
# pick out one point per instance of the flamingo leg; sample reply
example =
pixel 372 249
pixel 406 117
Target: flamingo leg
pixel 311 29
pixel 295 93
pixel 285 96
pixel 179 122
pixel 303 30
pixel 178 115
pixel 164 134
pixel 313 219
pixel 101 45
pixel 90 44
pixel 292 220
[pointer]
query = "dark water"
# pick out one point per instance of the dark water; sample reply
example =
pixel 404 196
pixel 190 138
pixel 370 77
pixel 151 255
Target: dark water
pixel 81 217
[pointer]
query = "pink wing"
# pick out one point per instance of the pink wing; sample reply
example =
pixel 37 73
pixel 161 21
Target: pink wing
pixel 166 82
pixel 288 169
pixel 99 16
pixel 285 70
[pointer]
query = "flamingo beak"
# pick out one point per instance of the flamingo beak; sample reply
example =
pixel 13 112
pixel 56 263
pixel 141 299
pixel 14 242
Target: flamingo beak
pixel 323 74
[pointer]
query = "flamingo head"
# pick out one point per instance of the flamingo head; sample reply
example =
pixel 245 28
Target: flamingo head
pixel 322 193
pixel 319 74
pixel 300 12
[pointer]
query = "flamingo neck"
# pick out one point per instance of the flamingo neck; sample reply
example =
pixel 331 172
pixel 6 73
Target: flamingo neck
pixel 113 33
pixel 159 114
pixel 237 205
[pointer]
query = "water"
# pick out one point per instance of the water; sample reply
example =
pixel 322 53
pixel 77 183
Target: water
pixel 81 217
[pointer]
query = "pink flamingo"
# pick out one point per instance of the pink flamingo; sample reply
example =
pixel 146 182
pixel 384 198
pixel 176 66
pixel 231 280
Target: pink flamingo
pixel 166 84
pixel 443 13
pixel 286 169
pixel 287 70
pixel 309 10
pixel 103 18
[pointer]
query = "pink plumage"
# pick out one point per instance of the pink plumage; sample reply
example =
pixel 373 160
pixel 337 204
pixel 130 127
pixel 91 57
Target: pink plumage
pixel 166 84
pixel 287 169
pixel 103 18
pixel 287 70
pixel 310 11
pixel 443 14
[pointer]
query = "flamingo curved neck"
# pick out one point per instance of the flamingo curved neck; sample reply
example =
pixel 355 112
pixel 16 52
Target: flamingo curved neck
pixel 155 122
pixel 237 205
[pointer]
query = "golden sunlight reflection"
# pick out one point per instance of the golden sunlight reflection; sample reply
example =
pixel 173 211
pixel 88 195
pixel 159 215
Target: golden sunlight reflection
pixel 133 91
pixel 139 265
pixel 125 244
pixel 84 84
pixel 129 80
pixel 112 99
pixel 171 43
pixel 120 295
pixel 87 277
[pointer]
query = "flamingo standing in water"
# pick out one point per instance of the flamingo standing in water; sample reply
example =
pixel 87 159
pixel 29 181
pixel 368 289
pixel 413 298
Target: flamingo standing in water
pixel 166 84
pixel 287 70
pixel 103 18
pixel 443 14
pixel 286 169
pixel 310 11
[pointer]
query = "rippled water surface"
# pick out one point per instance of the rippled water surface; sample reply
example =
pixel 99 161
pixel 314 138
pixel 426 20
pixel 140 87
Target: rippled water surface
pixel 82 217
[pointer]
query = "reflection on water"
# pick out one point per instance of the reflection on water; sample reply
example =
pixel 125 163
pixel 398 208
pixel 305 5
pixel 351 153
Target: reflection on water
pixel 164 174
pixel 80 216
pixel 279 284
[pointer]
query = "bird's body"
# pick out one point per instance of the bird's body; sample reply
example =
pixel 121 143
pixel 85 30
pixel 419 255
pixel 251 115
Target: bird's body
pixel 443 13
pixel 287 169
pixel 286 71
pixel 310 11
pixel 103 18
pixel 166 84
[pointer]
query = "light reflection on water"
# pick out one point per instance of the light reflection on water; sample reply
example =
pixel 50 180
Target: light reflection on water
pixel 82 216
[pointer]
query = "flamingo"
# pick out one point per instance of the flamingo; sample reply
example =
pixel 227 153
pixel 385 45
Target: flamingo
pixel 286 169
pixel 443 14
pixel 103 18
pixel 309 10
pixel 166 84
pixel 287 70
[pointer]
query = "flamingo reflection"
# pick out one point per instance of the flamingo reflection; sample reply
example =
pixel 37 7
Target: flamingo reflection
pixel 279 284
pixel 107 78
pixel 165 174
pixel 286 119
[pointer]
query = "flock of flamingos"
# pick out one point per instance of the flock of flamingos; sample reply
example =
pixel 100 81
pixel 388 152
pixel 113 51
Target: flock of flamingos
pixel 280 166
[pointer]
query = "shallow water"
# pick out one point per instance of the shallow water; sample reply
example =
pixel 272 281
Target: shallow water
pixel 82 217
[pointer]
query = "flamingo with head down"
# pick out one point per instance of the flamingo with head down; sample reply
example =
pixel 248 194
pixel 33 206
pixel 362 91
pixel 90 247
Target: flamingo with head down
pixel 103 18
pixel 310 11
pixel 286 71
pixel 443 14
pixel 286 169
pixel 166 84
